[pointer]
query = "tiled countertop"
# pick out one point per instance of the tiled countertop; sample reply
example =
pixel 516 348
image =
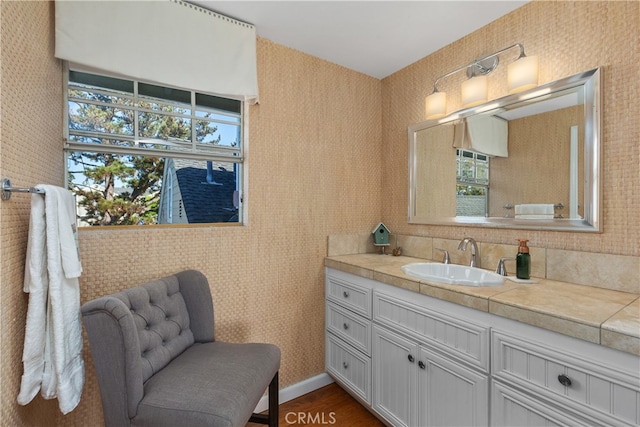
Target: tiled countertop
pixel 602 316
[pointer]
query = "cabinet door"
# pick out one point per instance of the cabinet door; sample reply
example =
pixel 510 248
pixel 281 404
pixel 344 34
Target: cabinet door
pixel 511 408
pixel 394 372
pixel 450 394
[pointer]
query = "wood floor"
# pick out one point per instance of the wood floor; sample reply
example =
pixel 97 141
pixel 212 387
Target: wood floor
pixel 327 406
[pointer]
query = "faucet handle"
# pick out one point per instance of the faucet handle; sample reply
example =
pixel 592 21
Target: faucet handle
pixel 445 259
pixel 501 270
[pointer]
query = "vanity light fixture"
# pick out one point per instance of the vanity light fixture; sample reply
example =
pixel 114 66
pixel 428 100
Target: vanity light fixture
pixel 521 75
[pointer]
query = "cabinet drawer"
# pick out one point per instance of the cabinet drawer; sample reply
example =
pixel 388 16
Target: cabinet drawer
pixel 510 407
pixel 604 393
pixel 352 328
pixel 463 340
pixel 350 295
pixel 350 367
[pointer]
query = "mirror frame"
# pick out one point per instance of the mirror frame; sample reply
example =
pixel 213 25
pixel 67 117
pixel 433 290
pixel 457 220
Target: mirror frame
pixel 590 81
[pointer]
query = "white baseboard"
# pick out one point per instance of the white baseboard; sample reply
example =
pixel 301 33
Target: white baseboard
pixel 296 390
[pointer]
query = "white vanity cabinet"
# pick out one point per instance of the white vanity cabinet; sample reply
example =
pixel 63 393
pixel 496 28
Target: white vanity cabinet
pixel 420 361
pixel 348 338
pixel 451 394
pixel 409 362
pixel 414 386
pixel 511 408
pixel 542 378
pixel 438 361
pixel 394 370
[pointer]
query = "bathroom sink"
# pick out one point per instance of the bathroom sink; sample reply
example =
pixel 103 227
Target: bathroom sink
pixel 453 274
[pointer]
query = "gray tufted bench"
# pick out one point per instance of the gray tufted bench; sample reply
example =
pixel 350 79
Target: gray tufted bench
pixel 158 363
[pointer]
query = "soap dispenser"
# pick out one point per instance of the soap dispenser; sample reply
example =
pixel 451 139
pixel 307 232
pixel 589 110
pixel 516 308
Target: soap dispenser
pixel 523 260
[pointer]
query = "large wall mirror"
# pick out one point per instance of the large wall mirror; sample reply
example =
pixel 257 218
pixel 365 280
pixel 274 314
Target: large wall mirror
pixel 527 161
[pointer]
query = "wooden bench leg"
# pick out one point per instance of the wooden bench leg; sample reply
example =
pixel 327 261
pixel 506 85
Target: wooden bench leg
pixel 272 417
pixel 273 401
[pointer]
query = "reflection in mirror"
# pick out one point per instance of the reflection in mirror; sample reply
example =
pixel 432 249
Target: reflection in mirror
pixel 472 183
pixel 526 161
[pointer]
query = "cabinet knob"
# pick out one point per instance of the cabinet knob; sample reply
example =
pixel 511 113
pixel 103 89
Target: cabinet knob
pixel 345 326
pixel 564 380
pixel 422 365
pixel 346 294
pixel 345 365
pixel 411 358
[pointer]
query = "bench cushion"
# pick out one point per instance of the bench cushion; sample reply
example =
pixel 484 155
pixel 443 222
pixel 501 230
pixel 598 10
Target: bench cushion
pixel 217 383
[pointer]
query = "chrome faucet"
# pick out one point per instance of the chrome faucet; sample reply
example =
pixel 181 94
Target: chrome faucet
pixel 501 269
pixel 475 261
pixel 445 257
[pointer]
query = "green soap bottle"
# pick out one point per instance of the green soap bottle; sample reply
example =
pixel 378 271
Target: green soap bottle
pixel 523 260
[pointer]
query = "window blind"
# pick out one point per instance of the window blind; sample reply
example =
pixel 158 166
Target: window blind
pixel 169 42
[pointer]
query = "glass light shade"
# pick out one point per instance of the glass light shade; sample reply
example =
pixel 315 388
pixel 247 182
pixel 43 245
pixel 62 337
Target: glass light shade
pixel 474 91
pixel 435 105
pixel 523 74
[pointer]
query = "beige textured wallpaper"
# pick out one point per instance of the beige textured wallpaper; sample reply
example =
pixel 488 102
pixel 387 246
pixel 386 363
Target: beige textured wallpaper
pixel 327 155
pixel 314 169
pixel 568 37
pixel 435 187
pixel 537 169
pixel 30 152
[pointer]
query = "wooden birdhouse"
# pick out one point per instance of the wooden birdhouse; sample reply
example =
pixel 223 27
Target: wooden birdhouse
pixel 381 235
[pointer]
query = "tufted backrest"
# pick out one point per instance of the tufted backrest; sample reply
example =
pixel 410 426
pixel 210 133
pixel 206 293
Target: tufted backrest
pixel 136 332
pixel 162 322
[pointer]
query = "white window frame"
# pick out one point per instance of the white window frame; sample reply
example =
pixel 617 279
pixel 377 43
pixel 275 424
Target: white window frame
pixel 192 150
pixel 475 181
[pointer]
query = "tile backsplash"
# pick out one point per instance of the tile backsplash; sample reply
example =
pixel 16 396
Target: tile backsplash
pixel 615 272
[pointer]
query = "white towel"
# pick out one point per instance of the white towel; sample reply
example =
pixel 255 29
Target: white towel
pixel 52 355
pixel 36 284
pixel 483 134
pixel 532 216
pixel 534 209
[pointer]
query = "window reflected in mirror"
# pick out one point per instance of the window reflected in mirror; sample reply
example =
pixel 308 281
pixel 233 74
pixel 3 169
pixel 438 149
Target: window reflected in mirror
pixel 472 186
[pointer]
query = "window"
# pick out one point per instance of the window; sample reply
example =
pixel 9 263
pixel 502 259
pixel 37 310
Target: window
pixel 138 153
pixel 472 187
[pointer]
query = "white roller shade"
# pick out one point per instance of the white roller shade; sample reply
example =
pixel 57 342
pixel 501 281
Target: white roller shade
pixel 169 42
